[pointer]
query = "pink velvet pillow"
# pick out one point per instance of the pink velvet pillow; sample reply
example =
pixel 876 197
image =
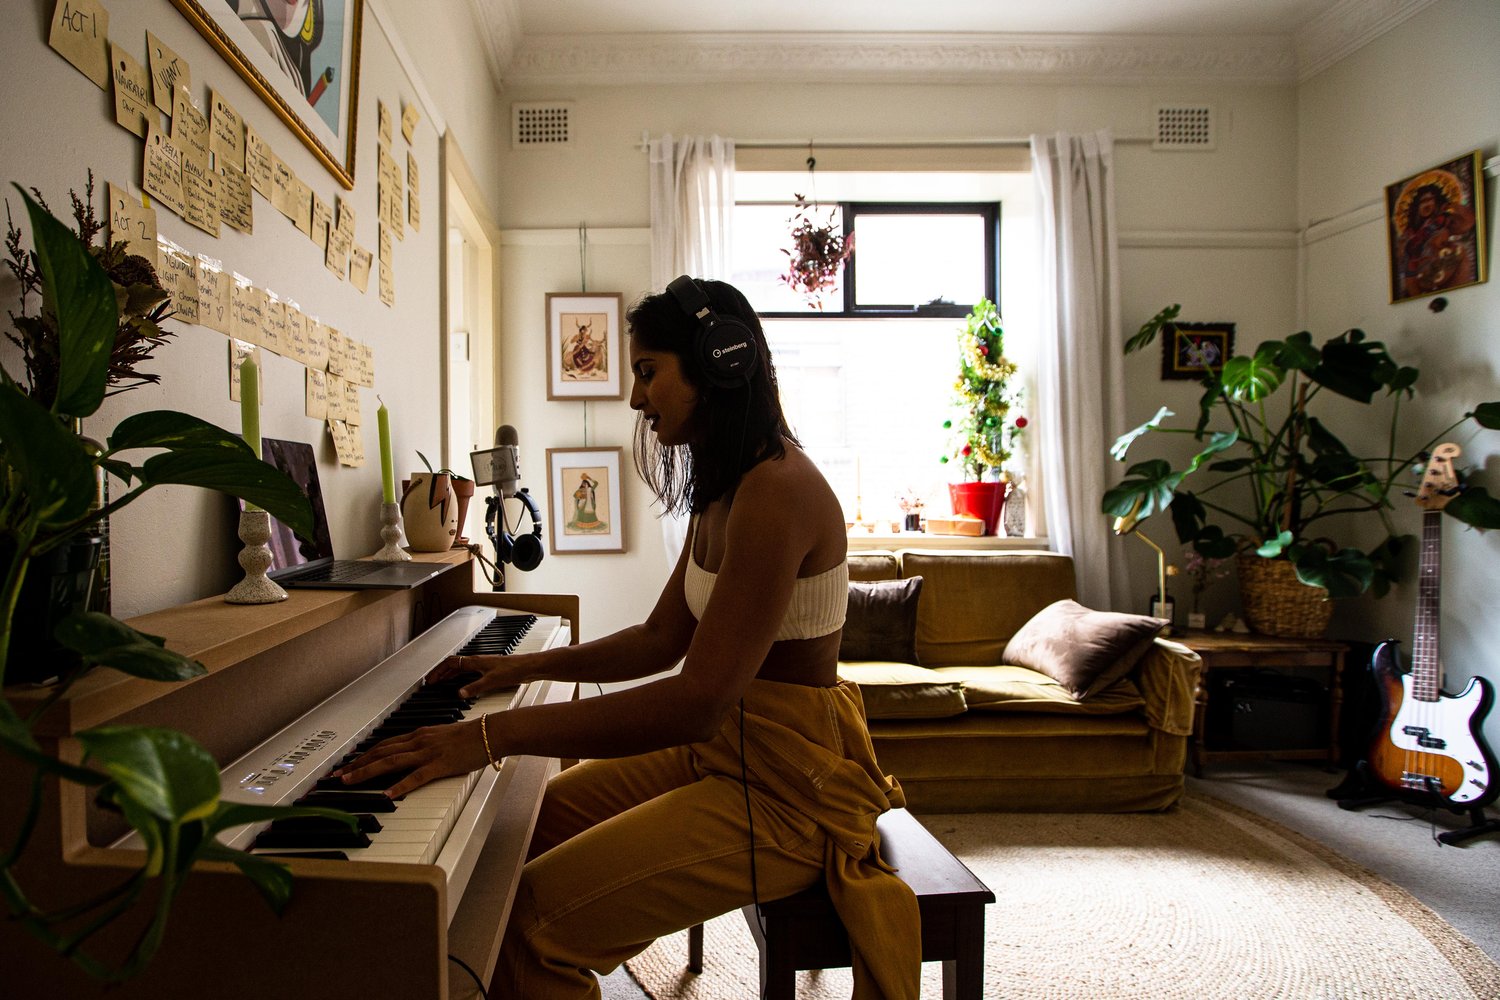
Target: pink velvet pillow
pixel 1083 650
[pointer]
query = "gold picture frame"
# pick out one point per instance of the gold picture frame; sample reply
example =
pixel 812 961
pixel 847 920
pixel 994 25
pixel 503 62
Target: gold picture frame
pixel 1435 229
pixel 295 68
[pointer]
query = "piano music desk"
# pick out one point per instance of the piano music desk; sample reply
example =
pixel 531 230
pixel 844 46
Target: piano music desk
pixel 353 928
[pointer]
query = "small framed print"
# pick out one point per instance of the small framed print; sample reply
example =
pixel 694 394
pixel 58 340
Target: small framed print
pixel 584 356
pixel 1192 350
pixel 586 512
pixel 1435 229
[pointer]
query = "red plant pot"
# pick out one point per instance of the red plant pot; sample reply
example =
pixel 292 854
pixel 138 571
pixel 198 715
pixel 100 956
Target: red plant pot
pixel 985 501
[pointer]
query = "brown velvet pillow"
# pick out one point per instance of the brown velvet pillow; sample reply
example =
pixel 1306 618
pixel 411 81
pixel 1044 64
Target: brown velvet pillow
pixel 881 622
pixel 1085 651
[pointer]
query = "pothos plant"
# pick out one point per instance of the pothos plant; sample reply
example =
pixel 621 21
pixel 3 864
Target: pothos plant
pixel 1272 475
pixel 818 251
pixel 985 434
pixel 164 784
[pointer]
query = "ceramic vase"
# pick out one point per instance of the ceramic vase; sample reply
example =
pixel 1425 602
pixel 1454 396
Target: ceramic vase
pixel 429 512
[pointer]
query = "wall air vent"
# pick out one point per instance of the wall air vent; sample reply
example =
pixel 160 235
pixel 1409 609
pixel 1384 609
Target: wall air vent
pixel 539 124
pixel 1183 127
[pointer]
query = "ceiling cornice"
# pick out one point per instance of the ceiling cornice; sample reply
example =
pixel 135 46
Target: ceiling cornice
pixel 1348 26
pixel 801 57
pixel 499 26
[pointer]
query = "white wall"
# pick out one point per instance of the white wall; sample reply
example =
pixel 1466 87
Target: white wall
pixel 177 545
pixel 1210 230
pixel 1364 123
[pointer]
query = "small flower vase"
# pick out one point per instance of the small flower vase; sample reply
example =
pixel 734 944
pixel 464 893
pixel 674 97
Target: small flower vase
pixel 255 559
pixel 390 534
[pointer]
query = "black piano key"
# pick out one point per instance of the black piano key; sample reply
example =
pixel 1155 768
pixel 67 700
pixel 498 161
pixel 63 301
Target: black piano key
pixel 367 823
pixel 324 855
pixel 371 802
pixel 327 839
pixel 378 783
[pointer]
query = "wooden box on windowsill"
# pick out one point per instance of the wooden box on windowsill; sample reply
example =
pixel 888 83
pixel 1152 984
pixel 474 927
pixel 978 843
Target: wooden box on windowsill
pixel 971 526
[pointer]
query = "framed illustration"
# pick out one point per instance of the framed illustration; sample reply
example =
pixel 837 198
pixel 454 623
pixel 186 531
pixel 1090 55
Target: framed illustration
pixel 1191 350
pixel 586 512
pixel 301 57
pixel 584 358
pixel 1435 229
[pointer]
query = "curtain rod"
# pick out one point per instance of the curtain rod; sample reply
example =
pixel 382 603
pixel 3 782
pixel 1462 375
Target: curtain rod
pixel 817 144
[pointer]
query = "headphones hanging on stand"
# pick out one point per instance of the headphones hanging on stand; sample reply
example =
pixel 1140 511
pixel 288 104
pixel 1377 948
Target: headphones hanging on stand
pixel 727 352
pixel 522 551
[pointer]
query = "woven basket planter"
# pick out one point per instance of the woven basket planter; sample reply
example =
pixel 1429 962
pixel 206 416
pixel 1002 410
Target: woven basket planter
pixel 1277 603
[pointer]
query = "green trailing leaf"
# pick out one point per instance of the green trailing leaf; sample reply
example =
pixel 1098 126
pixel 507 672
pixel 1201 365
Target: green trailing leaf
pixel 163 771
pixel 1354 367
pixel 1346 573
pixel 232 814
pixel 106 641
pixel 78 292
pixel 1124 441
pixel 52 468
pixel 1148 331
pixel 1385 559
pixel 1488 415
pixel 1147 489
pixel 239 474
pixel 1272 547
pixel 1475 507
pixel 1251 379
pixel 272 879
pixel 173 430
pixel 1297 352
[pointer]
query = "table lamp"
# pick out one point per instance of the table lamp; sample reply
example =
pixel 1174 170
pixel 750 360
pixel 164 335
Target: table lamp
pixel 1129 524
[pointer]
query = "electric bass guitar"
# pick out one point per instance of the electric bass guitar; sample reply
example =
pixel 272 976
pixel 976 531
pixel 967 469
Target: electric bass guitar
pixel 1429 746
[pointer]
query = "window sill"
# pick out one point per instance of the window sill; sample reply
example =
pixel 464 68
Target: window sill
pixel 861 541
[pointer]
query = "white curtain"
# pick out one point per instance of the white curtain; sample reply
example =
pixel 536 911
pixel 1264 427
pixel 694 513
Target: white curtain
pixel 692 207
pixel 1080 369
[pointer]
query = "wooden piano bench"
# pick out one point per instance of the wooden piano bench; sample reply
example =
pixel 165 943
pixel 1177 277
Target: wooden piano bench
pixel 803 931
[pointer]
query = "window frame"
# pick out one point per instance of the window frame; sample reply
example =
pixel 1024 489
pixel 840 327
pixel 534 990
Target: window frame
pixel 849 211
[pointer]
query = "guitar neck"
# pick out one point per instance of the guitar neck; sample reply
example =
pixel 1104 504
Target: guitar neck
pixel 1425 684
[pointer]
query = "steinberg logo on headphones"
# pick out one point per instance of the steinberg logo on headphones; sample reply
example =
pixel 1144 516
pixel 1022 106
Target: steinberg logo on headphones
pixel 719 352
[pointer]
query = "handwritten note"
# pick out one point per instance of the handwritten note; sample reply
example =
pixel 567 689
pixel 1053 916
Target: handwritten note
pixel 178 271
pixel 282 183
pixel 316 405
pixel 162 171
pixel 259 162
pixel 168 72
pixel 322 218
pixel 80 34
pixel 200 195
pixel 189 128
pixel 213 295
pixel 302 198
pixel 296 332
pixel 273 331
pixel 133 107
pixel 367 366
pixel 385 244
pixel 335 346
pixel 359 269
pixel 387 284
pixel 336 257
pixel 227 131
pixel 409 118
pixel 131 221
pixel 236 206
pixel 337 399
pixel 247 307
pixel 317 345
pixel 351 405
pixel 383 118
pixel 413 195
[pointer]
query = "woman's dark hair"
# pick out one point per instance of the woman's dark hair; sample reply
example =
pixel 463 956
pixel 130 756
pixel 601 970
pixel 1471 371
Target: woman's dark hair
pixel 739 427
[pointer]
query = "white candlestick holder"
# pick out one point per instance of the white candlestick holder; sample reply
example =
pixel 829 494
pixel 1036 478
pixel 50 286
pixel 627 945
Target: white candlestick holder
pixel 390 534
pixel 255 559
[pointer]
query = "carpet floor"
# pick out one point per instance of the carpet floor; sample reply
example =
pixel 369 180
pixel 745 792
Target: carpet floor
pixel 1204 901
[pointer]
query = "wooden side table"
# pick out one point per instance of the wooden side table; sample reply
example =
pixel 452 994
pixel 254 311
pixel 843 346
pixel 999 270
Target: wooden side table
pixel 1230 650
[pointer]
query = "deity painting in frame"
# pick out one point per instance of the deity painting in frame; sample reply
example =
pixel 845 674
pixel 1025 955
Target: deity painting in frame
pixel 1435 229
pixel 301 57
pixel 1192 350
pixel 584 356
pixel 586 513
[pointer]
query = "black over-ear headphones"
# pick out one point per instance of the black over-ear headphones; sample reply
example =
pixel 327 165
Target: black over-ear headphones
pixel 523 551
pixel 727 351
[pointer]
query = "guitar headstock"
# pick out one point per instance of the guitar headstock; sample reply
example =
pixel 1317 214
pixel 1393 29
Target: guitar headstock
pixel 1440 481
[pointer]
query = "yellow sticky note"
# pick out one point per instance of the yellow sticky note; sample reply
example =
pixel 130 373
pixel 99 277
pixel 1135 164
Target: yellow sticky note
pixel 359 268
pixel 317 395
pixel 213 295
pixel 200 196
pixel 227 131
pixel 235 204
pixel 80 34
pixel 189 128
pixel 409 118
pixel 168 72
pixel 383 117
pixel 259 162
pixel 131 221
pixel 162 171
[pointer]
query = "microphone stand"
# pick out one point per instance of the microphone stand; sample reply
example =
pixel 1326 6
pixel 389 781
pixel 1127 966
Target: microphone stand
pixel 494 509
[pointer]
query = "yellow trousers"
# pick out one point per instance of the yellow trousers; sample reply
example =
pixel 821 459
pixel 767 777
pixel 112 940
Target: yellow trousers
pixel 629 850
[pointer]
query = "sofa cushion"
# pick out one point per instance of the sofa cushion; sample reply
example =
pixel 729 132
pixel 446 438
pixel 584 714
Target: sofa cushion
pixel 905 691
pixel 975 600
pixel 1021 689
pixel 874 564
pixel 1083 650
pixel 881 623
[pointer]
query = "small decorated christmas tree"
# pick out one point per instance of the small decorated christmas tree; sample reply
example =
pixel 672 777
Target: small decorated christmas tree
pixel 985 434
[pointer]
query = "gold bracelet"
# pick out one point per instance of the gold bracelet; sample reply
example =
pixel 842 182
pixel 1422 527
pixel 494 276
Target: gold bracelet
pixel 484 730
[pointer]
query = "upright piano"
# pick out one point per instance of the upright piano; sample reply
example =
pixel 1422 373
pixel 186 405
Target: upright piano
pixel 290 688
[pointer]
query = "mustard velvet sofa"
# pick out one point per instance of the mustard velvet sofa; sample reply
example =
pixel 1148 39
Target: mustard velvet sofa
pixel 964 732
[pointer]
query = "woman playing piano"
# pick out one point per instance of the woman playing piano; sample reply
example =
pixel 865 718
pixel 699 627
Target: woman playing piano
pixel 747 775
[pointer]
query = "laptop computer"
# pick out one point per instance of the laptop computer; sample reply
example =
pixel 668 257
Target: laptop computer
pixel 298 562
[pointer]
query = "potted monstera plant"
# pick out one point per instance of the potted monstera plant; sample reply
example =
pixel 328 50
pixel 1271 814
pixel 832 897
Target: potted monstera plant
pixel 163 783
pixel 1272 481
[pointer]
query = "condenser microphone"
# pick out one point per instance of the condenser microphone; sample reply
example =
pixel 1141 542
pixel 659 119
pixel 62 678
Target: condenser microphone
pixel 499 466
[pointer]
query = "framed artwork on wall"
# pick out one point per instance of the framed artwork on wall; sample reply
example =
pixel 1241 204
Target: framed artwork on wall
pixel 586 512
pixel 1191 350
pixel 584 358
pixel 1435 229
pixel 301 57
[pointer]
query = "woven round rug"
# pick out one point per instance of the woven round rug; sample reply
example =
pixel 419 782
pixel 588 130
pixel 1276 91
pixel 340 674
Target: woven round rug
pixel 1202 902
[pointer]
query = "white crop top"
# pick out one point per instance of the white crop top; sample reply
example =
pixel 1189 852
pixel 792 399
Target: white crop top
pixel 818 602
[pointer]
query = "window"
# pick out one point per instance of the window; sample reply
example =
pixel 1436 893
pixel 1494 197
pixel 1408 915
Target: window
pixel 867 380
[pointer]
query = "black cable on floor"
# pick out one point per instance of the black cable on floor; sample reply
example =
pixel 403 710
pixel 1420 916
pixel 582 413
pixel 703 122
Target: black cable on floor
pixel 472 975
